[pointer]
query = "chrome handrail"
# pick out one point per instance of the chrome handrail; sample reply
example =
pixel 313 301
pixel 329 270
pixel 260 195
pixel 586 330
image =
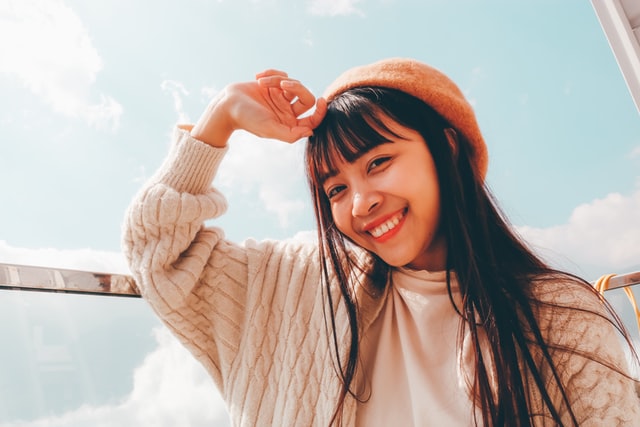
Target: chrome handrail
pixel 48 279
pixel 623 280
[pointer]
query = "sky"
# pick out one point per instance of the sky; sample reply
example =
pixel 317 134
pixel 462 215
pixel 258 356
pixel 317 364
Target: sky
pixel 90 93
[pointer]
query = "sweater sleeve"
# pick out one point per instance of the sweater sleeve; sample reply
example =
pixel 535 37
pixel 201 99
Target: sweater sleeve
pixel 193 279
pixel 596 374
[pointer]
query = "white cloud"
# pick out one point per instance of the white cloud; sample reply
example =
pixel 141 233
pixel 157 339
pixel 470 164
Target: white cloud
pixel 274 168
pixel 603 233
pixel 635 153
pixel 141 176
pixel 476 75
pixel 334 7
pixel 177 91
pixel 47 47
pixel 169 389
pixel 307 40
pixel 310 236
pixel 76 259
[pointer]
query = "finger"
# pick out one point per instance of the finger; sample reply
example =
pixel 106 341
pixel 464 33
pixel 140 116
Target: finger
pixel 290 96
pixel 288 134
pixel 273 80
pixel 299 132
pixel 270 81
pixel 271 72
pixel 305 99
pixel 312 121
pixel 300 107
pixel 279 101
pixel 282 107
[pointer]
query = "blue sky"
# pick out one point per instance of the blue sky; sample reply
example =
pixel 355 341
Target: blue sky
pixel 92 90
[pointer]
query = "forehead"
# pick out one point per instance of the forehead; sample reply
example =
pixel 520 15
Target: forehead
pixel 345 142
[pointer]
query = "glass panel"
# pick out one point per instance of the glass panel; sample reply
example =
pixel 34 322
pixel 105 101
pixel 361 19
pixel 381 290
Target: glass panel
pixel 85 360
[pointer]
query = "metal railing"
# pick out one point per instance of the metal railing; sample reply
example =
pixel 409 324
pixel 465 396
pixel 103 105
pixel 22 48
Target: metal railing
pixel 48 279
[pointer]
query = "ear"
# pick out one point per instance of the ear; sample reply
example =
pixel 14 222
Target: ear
pixel 452 137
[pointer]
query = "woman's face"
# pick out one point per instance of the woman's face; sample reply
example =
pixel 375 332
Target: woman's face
pixel 388 202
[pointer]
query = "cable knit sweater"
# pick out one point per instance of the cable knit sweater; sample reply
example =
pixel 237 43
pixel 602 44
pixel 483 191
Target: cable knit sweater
pixel 254 315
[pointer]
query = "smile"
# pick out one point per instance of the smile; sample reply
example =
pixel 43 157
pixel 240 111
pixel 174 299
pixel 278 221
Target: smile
pixel 388 225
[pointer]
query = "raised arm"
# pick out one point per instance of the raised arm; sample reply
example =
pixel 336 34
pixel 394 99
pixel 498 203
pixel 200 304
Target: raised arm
pixel 193 278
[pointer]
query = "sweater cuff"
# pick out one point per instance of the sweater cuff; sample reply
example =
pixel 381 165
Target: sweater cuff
pixel 191 164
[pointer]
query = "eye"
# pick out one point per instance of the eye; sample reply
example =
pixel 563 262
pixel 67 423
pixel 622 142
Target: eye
pixel 378 162
pixel 334 191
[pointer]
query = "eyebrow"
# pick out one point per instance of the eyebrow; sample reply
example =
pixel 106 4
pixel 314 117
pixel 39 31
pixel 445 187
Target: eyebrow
pixel 325 176
pixel 333 172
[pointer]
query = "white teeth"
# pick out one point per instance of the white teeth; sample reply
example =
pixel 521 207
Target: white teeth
pixel 386 226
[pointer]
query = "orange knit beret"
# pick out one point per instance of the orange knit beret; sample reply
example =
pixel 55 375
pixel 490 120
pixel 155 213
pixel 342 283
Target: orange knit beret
pixel 425 83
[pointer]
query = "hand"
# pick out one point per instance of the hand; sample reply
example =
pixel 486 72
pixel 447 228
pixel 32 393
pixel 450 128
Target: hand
pixel 272 106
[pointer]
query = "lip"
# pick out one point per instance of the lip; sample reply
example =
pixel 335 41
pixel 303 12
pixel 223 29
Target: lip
pixel 373 224
pixel 389 234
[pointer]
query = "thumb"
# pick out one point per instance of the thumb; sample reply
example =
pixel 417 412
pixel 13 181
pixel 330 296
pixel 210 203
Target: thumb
pixel 288 134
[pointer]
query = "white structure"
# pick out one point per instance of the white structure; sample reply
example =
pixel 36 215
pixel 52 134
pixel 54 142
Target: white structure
pixel 620 20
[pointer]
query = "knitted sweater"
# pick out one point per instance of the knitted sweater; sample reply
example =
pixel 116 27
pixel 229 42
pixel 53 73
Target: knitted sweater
pixel 254 314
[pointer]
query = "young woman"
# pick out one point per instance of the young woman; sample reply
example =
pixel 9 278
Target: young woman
pixel 418 305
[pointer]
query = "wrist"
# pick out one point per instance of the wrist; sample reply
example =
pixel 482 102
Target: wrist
pixel 215 125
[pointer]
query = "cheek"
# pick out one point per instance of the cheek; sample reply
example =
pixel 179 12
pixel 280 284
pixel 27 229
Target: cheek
pixel 341 217
pixel 424 181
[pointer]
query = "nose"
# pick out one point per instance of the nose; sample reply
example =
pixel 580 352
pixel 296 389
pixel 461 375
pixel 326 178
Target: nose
pixel 364 202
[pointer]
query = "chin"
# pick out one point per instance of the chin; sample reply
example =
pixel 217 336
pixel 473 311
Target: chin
pixel 395 262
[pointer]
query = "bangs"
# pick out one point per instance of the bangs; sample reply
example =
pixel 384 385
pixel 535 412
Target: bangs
pixel 349 130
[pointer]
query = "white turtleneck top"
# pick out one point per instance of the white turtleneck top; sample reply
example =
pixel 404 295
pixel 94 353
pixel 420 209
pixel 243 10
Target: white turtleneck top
pixel 411 358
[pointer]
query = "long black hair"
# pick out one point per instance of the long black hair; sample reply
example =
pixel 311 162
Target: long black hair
pixel 495 269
